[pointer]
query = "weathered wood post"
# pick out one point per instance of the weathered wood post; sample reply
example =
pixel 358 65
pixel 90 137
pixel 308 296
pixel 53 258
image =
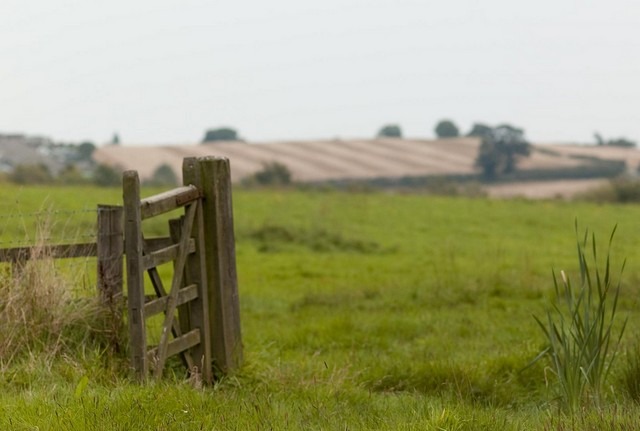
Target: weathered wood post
pixel 214 180
pixel 110 253
pixel 135 274
pixel 196 273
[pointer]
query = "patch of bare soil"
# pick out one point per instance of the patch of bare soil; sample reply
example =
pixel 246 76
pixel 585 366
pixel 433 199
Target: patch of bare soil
pixel 311 160
pixel 564 189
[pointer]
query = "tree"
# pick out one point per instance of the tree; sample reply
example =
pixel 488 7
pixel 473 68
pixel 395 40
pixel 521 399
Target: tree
pixel 220 134
pixel 85 151
pixel 446 129
pixel 71 175
pixel 106 176
pixel 390 131
pixel 479 130
pixel 500 151
pixel 271 174
pixel 31 174
pixel 510 129
pixel 620 142
pixel 163 176
pixel 116 139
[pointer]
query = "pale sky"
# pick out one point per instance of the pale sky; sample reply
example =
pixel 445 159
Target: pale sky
pixel 164 71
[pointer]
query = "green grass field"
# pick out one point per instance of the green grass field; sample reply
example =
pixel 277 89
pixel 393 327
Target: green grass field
pixel 359 311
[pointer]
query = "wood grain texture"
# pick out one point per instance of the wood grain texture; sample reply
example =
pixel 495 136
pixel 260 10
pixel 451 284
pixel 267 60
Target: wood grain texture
pixel 224 306
pixel 135 274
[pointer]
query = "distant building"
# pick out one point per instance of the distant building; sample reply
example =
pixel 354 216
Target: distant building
pixel 17 149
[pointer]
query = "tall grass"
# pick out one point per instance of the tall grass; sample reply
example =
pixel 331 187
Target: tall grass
pixel 40 315
pixel 579 328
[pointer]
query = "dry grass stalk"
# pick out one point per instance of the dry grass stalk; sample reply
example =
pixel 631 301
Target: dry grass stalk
pixel 40 314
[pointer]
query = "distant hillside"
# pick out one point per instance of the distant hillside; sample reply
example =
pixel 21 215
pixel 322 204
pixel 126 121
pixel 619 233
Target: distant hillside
pixel 357 159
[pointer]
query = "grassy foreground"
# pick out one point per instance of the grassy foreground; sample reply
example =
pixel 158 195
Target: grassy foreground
pixel 359 311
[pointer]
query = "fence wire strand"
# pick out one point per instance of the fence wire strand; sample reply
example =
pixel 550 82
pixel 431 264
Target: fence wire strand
pixel 32 221
pixel 47 213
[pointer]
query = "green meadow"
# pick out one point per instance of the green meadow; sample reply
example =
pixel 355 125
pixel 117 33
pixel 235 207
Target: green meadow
pixel 365 310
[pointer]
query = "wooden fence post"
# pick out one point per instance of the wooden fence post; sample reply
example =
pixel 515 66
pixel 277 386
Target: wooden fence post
pixel 196 272
pixel 224 306
pixel 110 251
pixel 135 274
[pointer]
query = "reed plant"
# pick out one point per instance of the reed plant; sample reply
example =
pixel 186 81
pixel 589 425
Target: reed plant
pixel 630 378
pixel 580 327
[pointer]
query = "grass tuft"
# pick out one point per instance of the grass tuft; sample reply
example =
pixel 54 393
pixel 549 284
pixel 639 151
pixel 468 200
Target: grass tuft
pixel 41 318
pixel 630 378
pixel 579 329
pixel 273 238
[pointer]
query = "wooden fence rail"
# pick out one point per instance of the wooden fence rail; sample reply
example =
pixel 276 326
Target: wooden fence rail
pixel 58 251
pixel 108 249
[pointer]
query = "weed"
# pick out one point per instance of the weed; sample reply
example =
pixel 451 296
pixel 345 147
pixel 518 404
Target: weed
pixel 631 372
pixel 271 174
pixel 579 329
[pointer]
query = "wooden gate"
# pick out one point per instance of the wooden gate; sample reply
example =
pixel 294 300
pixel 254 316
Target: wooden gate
pixel 142 257
pixel 203 291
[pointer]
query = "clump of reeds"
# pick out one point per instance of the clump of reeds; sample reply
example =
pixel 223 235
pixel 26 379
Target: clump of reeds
pixel 579 328
pixel 631 372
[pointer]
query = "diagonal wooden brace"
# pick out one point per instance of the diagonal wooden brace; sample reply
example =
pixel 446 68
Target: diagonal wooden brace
pixel 175 287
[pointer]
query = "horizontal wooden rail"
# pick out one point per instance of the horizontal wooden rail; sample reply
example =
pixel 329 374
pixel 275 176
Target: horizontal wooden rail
pixel 59 251
pixel 71 251
pixel 177 345
pixel 158 305
pixel 156 243
pixel 165 255
pixel 168 201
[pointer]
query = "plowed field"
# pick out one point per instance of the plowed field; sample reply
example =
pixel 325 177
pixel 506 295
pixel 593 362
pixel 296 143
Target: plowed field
pixel 366 159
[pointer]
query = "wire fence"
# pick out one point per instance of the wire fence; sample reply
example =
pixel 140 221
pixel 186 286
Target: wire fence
pixel 63 243
pixel 48 227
